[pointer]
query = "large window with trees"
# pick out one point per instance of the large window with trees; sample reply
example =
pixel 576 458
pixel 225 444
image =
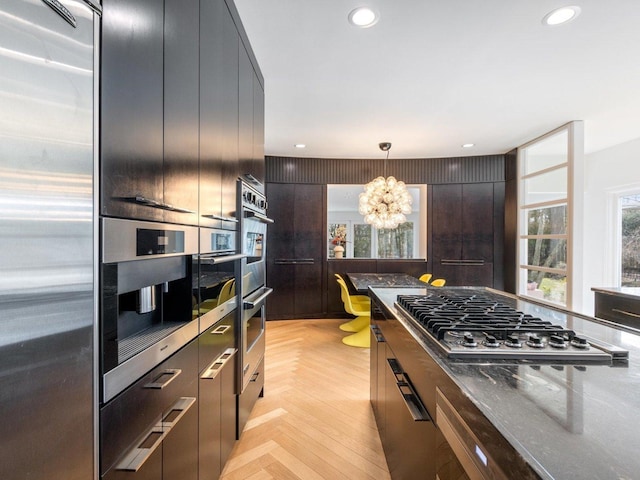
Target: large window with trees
pixel 544 218
pixel 630 240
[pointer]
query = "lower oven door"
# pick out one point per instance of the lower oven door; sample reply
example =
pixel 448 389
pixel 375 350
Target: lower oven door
pixel 252 341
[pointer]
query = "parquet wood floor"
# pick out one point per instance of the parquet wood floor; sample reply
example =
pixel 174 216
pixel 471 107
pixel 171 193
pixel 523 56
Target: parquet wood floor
pixel 315 420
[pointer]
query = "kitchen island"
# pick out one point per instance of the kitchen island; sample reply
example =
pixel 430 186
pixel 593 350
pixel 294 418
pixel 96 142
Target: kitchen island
pixel 551 419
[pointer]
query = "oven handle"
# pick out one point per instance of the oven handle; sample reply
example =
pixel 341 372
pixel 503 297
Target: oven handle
pixel 137 456
pixel 218 259
pixel 248 305
pixel 257 216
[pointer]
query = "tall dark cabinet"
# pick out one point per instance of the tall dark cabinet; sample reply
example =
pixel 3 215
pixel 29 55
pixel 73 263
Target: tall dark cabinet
pixel 465 225
pixel 132 87
pixel 181 110
pixel 295 247
pixel 219 77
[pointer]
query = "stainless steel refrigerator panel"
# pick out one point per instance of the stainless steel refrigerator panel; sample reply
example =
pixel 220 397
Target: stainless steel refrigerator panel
pixel 46 240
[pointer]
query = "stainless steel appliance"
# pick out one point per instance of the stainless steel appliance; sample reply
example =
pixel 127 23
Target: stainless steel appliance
pixel 147 297
pixel 218 269
pixel 48 56
pixel 473 323
pixel 217 266
pixel 252 205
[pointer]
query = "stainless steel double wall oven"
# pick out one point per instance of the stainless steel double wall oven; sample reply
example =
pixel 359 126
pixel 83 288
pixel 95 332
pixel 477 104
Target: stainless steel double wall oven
pixel 252 206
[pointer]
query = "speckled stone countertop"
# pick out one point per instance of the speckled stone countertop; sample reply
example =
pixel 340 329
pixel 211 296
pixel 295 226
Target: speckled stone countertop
pixel 627 292
pixel 567 421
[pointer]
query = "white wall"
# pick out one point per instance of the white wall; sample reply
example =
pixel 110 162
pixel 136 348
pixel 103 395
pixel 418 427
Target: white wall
pixel 608 173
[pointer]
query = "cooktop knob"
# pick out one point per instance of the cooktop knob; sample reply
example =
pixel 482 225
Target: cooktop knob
pixel 491 341
pixel 579 342
pixel 535 341
pixel 469 341
pixel 513 341
pixel 557 341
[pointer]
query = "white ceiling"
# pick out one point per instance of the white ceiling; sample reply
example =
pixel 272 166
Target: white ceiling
pixel 434 74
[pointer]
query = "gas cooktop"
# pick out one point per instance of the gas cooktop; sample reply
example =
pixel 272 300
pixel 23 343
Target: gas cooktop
pixel 471 324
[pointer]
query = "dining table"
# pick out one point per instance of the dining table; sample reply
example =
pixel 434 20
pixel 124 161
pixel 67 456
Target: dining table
pixel 362 281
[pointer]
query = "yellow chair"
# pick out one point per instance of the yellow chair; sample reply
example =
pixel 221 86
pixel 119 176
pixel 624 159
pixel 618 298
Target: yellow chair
pixel 361 338
pixel 425 277
pixel 227 291
pixel 361 307
pixel 438 282
pixel 362 299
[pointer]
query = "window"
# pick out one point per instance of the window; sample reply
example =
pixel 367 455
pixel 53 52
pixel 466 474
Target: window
pixel 346 227
pixel 630 240
pixel 544 217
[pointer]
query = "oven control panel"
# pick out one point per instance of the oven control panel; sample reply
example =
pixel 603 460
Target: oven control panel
pixel 252 199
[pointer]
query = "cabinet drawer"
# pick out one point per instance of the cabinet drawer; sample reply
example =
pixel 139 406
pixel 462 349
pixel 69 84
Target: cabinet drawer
pixel 125 419
pixel 249 396
pixel 618 309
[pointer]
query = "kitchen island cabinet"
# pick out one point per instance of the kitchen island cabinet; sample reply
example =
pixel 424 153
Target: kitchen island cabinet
pixel 549 420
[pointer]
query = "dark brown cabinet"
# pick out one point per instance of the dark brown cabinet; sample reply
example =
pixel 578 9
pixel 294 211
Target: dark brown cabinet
pixel 465 227
pixel 219 168
pixel 251 96
pixel 131 143
pixel 181 110
pixel 149 110
pixel 295 247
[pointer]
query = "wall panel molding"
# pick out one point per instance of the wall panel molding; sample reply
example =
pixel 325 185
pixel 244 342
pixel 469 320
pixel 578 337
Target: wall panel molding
pixel 324 171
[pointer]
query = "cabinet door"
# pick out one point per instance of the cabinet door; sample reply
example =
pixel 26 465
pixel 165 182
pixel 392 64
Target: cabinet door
pixel 180 448
pixel 218 114
pixel 477 222
pixel 131 141
pixel 245 134
pixel 181 109
pixel 280 250
pixel 446 212
pixel 227 411
pixel 308 245
pixel 257 167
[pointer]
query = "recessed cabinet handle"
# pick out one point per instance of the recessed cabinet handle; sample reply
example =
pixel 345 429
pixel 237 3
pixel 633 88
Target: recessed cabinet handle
pixel 137 456
pixel 216 367
pixel 254 377
pixel 624 312
pixel 378 334
pixel 220 217
pixel 412 401
pixel 149 202
pixel 220 330
pixel 165 378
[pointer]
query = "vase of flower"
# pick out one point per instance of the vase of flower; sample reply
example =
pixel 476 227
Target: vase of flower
pixel 338 251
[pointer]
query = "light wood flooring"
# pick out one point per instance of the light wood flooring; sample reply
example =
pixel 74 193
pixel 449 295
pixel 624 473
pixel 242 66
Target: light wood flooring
pixel 315 420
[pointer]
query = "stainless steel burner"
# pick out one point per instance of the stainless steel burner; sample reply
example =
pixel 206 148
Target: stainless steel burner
pixel 470 324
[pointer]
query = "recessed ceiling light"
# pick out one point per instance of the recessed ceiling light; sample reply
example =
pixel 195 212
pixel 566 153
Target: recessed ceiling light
pixel 561 15
pixel 468 145
pixel 363 17
pixel 300 145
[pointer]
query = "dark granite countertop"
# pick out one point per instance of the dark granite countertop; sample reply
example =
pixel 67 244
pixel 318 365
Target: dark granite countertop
pixel 627 292
pixel 567 421
pixel 362 281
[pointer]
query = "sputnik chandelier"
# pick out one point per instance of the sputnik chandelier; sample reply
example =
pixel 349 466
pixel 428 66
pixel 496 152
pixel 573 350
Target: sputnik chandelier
pixel 385 202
